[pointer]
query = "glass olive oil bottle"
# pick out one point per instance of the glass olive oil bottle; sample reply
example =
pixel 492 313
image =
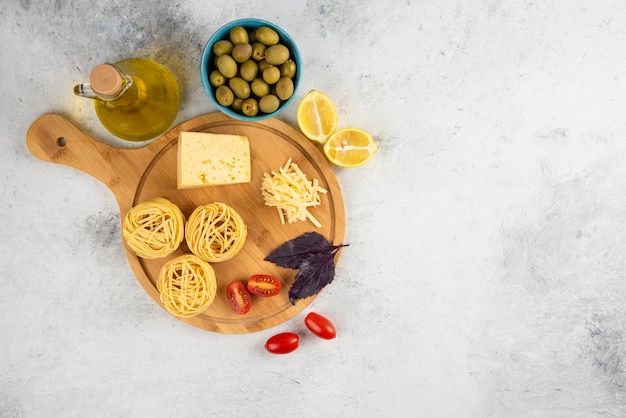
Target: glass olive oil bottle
pixel 135 99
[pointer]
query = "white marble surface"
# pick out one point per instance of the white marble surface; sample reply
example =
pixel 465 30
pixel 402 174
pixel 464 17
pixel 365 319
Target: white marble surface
pixel 486 274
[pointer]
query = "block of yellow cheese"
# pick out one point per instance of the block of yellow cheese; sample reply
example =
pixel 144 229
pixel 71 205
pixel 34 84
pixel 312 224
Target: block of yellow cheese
pixel 206 159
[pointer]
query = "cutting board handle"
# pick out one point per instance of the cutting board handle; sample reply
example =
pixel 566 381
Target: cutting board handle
pixel 55 139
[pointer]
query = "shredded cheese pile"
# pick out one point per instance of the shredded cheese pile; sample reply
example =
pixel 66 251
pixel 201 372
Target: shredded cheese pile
pixel 292 193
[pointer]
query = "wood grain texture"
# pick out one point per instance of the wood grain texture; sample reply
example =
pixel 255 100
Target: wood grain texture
pixel 135 175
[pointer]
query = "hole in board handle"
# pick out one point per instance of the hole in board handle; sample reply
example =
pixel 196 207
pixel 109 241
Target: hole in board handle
pixel 61 141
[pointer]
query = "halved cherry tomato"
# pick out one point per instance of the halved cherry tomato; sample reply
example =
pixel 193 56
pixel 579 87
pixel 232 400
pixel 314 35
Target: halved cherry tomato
pixel 320 326
pixel 238 298
pixel 264 285
pixel 282 343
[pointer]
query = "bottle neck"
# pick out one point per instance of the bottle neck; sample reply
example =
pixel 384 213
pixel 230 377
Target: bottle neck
pixel 107 82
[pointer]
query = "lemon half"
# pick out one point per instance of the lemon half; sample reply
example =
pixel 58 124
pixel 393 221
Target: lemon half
pixel 317 116
pixel 350 147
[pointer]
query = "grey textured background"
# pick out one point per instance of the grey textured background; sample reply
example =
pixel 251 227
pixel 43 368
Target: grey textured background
pixel 485 273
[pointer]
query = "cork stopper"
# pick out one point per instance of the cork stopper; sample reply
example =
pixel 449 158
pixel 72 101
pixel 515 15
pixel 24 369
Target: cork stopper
pixel 105 80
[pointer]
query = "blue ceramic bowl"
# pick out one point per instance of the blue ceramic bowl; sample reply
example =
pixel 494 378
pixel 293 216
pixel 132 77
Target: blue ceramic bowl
pixel 208 58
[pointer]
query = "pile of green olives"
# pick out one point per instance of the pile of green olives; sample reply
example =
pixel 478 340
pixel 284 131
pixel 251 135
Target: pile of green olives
pixel 253 71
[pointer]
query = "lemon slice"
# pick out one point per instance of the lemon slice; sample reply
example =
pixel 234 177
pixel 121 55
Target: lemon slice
pixel 317 116
pixel 350 147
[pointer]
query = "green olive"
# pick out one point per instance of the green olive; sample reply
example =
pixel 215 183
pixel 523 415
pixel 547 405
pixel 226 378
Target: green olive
pixel 271 75
pixel 284 88
pixel 238 35
pixel 216 78
pixel 241 52
pixel 277 54
pixel 259 87
pixel 236 106
pixel 269 103
pixel 267 36
pixel 222 47
pixel 248 70
pixel 240 87
pixel 224 95
pixel 258 51
pixel 263 65
pixel 250 107
pixel 227 66
pixel 288 69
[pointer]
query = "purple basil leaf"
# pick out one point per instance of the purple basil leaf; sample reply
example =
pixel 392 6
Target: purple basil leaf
pixel 316 271
pixel 293 252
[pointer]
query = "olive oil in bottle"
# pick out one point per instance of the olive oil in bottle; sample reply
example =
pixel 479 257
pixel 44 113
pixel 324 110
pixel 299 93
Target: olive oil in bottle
pixel 135 99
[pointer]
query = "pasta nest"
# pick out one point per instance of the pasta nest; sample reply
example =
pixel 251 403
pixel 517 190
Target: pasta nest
pixel 215 232
pixel 154 228
pixel 187 285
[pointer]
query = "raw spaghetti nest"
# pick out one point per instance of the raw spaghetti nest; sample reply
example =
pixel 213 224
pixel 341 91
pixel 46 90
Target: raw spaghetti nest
pixel 154 228
pixel 187 285
pixel 215 232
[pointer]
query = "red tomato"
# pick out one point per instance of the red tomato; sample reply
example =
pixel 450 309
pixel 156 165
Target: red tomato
pixel 320 326
pixel 238 297
pixel 264 285
pixel 282 343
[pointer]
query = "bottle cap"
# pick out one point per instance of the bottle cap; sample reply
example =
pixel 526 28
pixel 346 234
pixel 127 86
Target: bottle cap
pixel 105 80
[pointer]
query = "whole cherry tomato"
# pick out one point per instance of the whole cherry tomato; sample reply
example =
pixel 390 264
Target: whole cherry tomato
pixel 264 285
pixel 320 326
pixel 282 343
pixel 238 298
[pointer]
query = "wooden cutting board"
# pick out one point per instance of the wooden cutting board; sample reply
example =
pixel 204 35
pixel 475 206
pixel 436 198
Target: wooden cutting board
pixel 135 175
